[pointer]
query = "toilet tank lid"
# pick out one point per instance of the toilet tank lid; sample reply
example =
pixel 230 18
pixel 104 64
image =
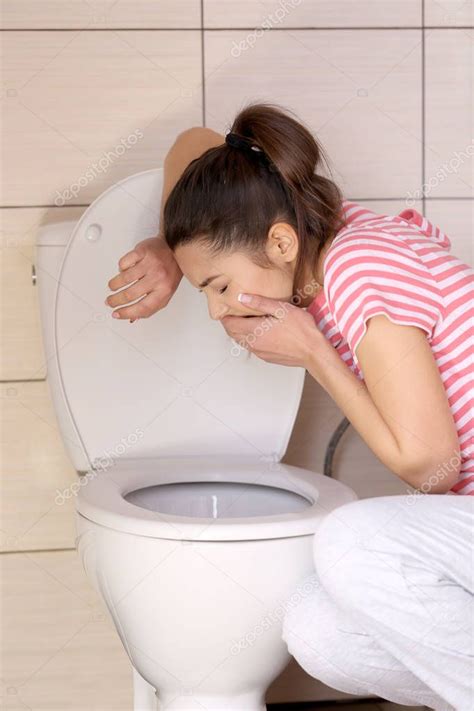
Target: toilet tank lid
pixel 55 234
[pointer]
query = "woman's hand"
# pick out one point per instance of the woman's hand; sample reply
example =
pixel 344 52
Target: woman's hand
pixel 286 334
pixel 153 268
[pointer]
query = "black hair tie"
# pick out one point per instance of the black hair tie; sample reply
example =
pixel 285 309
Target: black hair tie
pixel 244 143
pixel 236 141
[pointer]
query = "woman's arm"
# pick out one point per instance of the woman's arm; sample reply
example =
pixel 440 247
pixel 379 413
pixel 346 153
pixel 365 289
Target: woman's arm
pixel 189 145
pixel 400 410
pixel 150 271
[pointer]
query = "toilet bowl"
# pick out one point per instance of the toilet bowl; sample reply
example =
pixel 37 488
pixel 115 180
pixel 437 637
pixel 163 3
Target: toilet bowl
pixel 189 526
pixel 197 560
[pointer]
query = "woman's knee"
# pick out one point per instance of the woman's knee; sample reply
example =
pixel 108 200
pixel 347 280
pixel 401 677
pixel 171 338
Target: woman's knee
pixel 305 628
pixel 342 545
pixel 341 530
pixel 313 635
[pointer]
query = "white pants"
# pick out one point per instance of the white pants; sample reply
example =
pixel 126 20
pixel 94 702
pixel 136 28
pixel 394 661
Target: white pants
pixel 392 612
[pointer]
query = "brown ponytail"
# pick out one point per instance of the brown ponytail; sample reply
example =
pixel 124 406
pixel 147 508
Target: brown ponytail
pixel 230 197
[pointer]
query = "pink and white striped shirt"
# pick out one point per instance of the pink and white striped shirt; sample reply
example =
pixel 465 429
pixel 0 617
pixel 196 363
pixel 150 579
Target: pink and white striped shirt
pixel 401 266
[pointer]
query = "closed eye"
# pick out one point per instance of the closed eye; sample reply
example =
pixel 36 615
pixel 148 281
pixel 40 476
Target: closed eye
pixel 221 291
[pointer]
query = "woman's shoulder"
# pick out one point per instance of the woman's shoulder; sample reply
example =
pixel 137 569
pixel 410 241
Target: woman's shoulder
pixel 371 268
pixel 375 236
pixel 357 213
pixel 374 249
pixel 365 235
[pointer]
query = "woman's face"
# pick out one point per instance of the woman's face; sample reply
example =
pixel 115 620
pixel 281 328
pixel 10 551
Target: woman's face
pixel 237 272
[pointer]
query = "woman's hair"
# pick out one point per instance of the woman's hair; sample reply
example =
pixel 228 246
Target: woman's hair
pixel 230 197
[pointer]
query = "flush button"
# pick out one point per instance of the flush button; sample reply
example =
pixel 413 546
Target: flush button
pixel 93 232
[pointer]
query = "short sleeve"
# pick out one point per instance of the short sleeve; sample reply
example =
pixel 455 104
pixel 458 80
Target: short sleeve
pixel 378 273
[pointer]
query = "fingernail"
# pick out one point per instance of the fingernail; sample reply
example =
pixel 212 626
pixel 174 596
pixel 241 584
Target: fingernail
pixel 115 315
pixel 244 298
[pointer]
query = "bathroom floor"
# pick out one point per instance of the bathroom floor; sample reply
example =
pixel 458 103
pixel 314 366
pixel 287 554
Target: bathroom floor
pixel 364 705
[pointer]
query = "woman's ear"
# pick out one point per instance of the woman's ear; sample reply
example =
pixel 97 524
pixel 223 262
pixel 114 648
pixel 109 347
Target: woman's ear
pixel 282 243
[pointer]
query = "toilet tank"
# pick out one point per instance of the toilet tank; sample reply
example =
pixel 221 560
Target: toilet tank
pixel 174 384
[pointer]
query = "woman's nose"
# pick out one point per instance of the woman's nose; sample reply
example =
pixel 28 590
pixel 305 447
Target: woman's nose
pixel 217 311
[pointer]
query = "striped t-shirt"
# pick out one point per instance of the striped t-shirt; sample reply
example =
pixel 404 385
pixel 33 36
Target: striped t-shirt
pixel 401 266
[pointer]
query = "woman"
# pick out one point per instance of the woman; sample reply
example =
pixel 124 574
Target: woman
pixel 381 314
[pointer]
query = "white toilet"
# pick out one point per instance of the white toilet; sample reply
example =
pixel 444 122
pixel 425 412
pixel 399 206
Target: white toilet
pixel 194 533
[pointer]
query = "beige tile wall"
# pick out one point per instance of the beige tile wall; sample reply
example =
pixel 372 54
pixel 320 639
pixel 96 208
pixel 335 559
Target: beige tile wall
pixel 100 14
pixel 312 13
pixel 391 100
pixel 449 13
pixel 449 142
pixel 92 107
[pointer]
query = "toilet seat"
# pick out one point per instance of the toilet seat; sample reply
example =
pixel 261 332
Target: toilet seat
pixel 101 498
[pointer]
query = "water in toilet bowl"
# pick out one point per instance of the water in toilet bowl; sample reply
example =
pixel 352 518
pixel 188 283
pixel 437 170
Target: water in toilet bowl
pixel 218 500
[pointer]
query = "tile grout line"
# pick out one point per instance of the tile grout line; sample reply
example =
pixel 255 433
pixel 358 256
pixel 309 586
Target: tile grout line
pixel 423 109
pixel 400 198
pixel 203 68
pixel 32 206
pixel 232 29
pixel 37 550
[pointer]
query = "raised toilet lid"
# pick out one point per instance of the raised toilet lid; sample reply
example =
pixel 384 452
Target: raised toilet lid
pixel 249 500
pixel 172 385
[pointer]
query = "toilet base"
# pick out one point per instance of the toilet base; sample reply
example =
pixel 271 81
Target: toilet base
pixel 145 699
pixel 244 702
